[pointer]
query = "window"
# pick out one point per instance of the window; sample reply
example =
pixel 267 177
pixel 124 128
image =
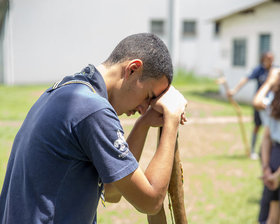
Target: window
pixel 189 28
pixel 157 27
pixel 239 52
pixel 217 28
pixel 264 43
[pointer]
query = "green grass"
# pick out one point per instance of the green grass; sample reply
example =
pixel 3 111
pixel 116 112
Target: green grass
pixel 15 101
pixel 226 186
pixel 7 134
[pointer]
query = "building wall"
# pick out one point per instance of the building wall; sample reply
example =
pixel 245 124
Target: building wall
pixel 51 39
pixel 201 53
pixel 264 19
pixel 4 5
pixel 46 40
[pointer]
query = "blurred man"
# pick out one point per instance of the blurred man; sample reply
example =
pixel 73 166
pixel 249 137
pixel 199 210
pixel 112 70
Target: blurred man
pixel 71 141
pixel 267 100
pixel 260 74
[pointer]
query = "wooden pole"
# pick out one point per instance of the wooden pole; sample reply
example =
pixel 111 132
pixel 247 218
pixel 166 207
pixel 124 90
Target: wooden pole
pixel 235 105
pixel 176 189
pixel 176 192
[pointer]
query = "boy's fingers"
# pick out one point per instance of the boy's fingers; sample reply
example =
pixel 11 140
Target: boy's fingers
pixel 183 119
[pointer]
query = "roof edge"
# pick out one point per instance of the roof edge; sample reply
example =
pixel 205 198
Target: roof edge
pixel 235 11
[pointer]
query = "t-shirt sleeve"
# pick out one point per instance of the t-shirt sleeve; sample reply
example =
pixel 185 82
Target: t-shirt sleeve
pixel 264 117
pixel 254 74
pixel 101 138
pixel 265 114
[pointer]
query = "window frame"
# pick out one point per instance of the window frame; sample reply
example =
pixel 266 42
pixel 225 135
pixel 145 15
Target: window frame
pixel 261 49
pixel 158 30
pixel 237 48
pixel 192 32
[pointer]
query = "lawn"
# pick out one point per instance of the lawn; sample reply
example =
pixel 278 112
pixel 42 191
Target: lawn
pixel 221 184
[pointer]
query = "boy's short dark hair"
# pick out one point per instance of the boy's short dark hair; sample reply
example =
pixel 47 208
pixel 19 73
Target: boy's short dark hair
pixel 150 49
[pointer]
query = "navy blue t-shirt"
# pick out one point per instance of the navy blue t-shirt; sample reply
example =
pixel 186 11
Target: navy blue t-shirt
pixel 260 74
pixel 70 143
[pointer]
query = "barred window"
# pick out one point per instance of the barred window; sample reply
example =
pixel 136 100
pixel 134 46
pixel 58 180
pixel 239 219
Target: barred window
pixel 189 28
pixel 217 26
pixel 157 27
pixel 239 52
pixel 264 43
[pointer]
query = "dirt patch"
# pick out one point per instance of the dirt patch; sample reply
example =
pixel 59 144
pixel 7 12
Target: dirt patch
pixel 10 123
pixel 196 109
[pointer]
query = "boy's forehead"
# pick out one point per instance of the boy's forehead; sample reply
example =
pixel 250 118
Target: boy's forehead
pixel 158 86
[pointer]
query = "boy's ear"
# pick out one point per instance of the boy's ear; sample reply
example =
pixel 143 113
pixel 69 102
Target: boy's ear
pixel 132 66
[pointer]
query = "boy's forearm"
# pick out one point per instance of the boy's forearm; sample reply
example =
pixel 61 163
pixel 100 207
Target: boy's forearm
pixel 136 141
pixel 242 82
pixel 265 149
pixel 266 87
pixel 260 96
pixel 159 170
pixel 146 191
pixel 137 138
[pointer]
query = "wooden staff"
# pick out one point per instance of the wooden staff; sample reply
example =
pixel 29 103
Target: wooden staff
pixel 176 193
pixel 235 105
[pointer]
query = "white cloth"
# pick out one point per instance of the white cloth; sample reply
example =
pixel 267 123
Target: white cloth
pixel 272 123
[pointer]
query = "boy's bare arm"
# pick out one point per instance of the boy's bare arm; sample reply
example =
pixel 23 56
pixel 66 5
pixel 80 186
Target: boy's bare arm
pixel 136 141
pixel 146 191
pixel 236 89
pixel 273 79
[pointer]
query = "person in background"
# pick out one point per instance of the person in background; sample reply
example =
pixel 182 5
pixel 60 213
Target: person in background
pixel 268 100
pixel 259 74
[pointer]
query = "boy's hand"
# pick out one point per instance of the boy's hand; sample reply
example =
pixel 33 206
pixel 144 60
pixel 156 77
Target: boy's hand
pixel 171 104
pixel 231 93
pixel 152 118
pixel 274 180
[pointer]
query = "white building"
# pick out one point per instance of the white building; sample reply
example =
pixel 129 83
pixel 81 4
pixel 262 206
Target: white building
pixel 42 41
pixel 245 34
